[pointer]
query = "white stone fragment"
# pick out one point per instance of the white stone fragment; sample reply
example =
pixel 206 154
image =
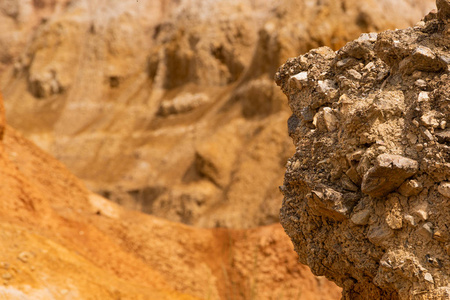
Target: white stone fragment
pixel 371 37
pixel 298 80
pixel 428 277
pixel 410 220
pixel 326 86
pixel 302 76
pixel 444 189
pixel 423 97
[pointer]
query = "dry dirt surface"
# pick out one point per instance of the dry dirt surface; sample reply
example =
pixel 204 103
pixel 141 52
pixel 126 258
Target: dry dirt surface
pixel 367 193
pixel 169 107
pixel 60 241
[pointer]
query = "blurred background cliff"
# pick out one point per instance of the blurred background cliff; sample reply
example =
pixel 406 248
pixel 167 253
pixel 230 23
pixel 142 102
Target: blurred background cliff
pixel 166 107
pixel 169 106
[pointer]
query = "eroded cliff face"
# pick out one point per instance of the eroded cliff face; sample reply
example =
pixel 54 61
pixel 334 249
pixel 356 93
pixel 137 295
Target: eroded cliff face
pixel 366 195
pixel 61 241
pixel 169 107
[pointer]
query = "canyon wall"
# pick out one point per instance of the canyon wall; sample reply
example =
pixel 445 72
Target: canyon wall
pixel 60 241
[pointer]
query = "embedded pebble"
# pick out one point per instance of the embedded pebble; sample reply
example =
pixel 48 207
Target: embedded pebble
pixel 361 217
pixel 423 97
pixel 354 74
pixel 428 277
pixel 331 121
pixel 388 174
pixel 421 214
pixel 426 231
pixel 421 83
pixel 24 256
pixel 444 189
pixel 299 80
pixel 410 220
pixel 410 188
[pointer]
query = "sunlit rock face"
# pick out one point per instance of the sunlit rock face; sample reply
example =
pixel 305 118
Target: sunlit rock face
pixel 169 107
pixel 366 195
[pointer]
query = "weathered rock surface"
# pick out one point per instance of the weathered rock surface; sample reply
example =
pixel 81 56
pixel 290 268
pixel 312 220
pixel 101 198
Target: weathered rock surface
pixel 381 231
pixel 169 106
pixel 388 173
pixel 60 241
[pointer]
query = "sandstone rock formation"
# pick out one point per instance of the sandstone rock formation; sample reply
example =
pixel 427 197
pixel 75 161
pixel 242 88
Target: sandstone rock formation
pixel 169 106
pixel 60 241
pixel 366 195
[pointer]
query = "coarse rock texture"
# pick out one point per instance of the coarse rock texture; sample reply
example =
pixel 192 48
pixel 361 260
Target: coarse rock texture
pixel 60 241
pixel 169 106
pixel 367 193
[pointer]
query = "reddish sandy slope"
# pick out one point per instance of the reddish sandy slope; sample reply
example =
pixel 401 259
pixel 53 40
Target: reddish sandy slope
pixel 59 241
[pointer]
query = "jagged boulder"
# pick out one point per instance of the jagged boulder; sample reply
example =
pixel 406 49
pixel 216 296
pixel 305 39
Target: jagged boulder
pixel 366 195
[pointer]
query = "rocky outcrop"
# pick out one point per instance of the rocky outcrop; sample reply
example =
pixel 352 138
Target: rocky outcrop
pixel 169 106
pixel 366 195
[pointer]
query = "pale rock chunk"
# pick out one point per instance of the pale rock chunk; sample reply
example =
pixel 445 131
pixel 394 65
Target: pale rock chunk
pixel 370 66
pixel 410 220
pixel 361 217
pixel 390 103
pixel 428 277
pixel 443 136
pixel 430 118
pixel 410 188
pixel 345 62
pixel 379 234
pixel 327 87
pixel 371 37
pixel 421 83
pixel 329 203
pixel 354 74
pixel 427 134
pixel 423 97
pixel 444 189
pixel 331 121
pixel 394 220
pixel 426 231
pixel 389 172
pixel 299 80
pixel 422 59
pixel 421 214
pixel 345 104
